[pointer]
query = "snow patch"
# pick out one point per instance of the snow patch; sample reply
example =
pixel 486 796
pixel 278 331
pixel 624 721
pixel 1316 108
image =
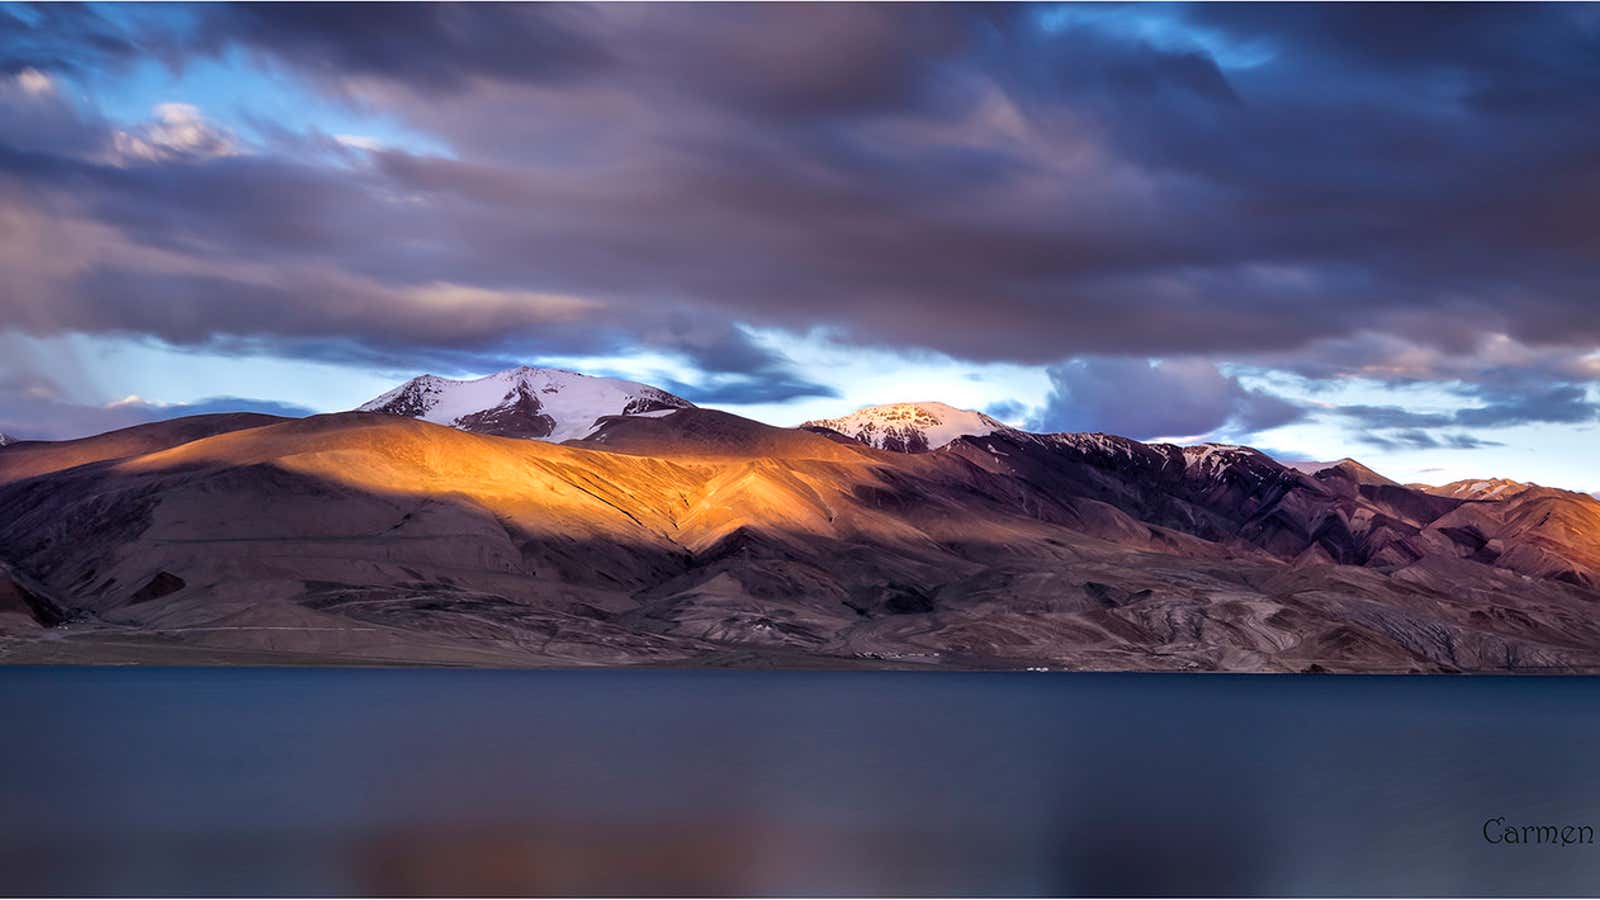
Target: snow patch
pixel 1211 460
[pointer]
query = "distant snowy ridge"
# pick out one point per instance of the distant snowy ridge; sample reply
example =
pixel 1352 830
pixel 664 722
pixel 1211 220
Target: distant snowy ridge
pixel 921 427
pixel 544 404
pixel 910 427
pixel 6 439
pixel 1479 489
pixel 1090 443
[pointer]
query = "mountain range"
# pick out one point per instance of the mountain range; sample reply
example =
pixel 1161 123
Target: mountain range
pixel 636 528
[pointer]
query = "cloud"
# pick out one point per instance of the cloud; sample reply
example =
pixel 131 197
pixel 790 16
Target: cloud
pixel 197 307
pixel 359 142
pixel 1369 416
pixel 774 387
pixel 1562 404
pixel 47 37
pixel 178 131
pixel 1007 411
pixel 35 408
pixel 735 368
pixel 430 47
pixel 232 404
pixel 1418 439
pixel 1332 190
pixel 33 81
pixel 1566 404
pixel 1461 353
pixel 1168 398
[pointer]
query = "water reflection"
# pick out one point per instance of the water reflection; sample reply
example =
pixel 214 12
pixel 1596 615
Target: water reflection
pixel 490 783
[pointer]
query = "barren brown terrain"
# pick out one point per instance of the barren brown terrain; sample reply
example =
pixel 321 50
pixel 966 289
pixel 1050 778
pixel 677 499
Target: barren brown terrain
pixel 700 538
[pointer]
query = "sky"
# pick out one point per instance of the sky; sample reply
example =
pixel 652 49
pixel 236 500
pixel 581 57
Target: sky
pixel 1323 230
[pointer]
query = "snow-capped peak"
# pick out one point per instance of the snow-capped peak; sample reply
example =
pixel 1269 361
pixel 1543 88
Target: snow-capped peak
pixel 546 404
pixel 910 427
pixel 6 439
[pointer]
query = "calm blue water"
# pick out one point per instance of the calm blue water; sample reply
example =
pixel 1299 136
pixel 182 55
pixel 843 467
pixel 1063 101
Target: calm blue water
pixel 295 781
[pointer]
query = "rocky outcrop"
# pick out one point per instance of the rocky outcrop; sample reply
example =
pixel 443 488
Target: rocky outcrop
pixel 517 415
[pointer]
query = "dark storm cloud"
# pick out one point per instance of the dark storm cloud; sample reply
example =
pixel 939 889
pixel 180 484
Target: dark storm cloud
pixel 773 62
pixel 1496 51
pixel 810 61
pixel 434 47
pixel 1143 400
pixel 1255 181
pixel 61 37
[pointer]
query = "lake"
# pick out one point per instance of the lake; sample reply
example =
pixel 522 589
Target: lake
pixel 153 781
